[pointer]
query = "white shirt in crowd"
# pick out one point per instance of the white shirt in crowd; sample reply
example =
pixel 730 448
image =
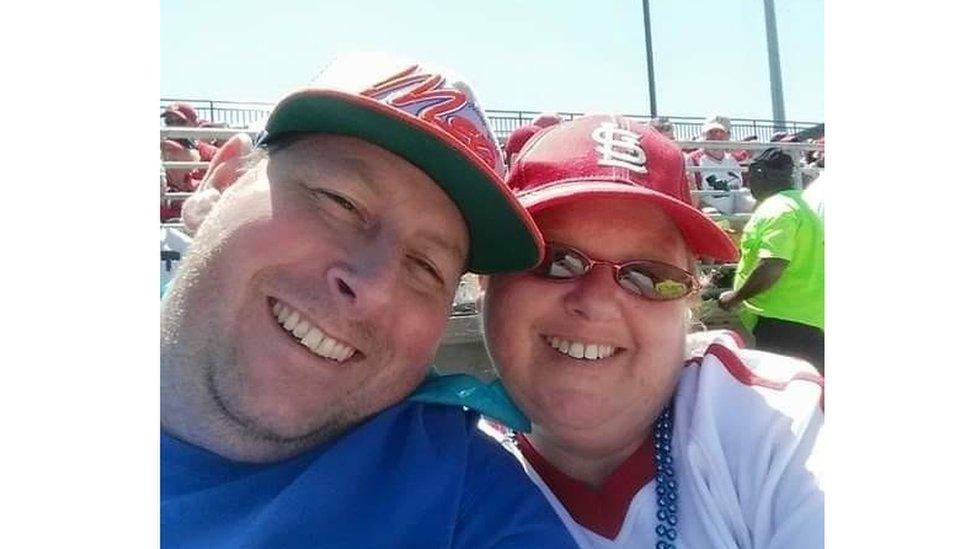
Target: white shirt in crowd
pixel 723 175
pixel 813 195
pixel 172 246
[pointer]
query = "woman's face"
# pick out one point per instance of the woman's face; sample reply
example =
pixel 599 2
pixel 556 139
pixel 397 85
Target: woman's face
pixel 579 400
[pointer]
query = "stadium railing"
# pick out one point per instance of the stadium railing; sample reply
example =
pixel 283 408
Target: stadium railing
pixel 244 114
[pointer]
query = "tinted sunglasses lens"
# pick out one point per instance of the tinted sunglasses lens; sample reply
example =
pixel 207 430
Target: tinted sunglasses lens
pixel 563 263
pixel 655 280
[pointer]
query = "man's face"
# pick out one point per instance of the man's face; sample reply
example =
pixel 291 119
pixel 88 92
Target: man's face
pixel 580 401
pixel 716 134
pixel 764 183
pixel 333 244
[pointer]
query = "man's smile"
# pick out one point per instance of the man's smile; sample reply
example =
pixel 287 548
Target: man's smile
pixel 309 335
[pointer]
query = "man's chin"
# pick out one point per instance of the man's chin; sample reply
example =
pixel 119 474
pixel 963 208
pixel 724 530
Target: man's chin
pixel 278 419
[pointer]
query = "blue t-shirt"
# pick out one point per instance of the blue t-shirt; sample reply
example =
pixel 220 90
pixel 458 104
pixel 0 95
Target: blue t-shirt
pixel 415 475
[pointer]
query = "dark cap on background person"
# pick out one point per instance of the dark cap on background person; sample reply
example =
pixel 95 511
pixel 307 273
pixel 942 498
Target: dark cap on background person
pixel 769 172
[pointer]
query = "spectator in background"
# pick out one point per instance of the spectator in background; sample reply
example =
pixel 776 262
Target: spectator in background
pixel 813 189
pixel 812 162
pixel 779 281
pixel 743 155
pixel 178 149
pixel 517 139
pixel 181 149
pixel 179 179
pixel 546 119
pixel 168 209
pixel 180 115
pixel 215 143
pixel 720 172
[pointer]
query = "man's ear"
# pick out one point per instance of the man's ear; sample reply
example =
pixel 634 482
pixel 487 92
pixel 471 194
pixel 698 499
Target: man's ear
pixel 224 171
pixel 226 163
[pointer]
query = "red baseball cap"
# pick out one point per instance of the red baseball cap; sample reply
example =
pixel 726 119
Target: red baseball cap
pixel 518 138
pixel 546 119
pixel 605 155
pixel 183 111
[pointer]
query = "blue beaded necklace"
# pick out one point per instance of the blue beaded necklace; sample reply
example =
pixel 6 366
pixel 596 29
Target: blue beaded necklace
pixel 667 483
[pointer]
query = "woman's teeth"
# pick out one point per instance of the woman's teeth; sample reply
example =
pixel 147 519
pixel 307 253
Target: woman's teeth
pixel 577 349
pixel 310 335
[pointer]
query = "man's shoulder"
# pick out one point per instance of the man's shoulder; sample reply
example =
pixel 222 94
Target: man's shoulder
pixel 452 430
pixel 440 424
pixel 778 207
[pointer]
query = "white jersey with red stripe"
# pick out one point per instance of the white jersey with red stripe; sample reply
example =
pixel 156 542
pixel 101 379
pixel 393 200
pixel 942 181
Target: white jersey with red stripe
pixel 745 448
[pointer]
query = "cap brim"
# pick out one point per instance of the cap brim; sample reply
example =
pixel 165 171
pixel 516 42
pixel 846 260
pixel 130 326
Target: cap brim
pixel 503 236
pixel 704 237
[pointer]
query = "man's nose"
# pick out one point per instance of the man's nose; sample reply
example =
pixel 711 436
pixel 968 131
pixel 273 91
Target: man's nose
pixel 594 296
pixel 365 280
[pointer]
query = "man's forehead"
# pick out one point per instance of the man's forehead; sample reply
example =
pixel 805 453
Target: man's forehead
pixel 372 167
pixel 335 151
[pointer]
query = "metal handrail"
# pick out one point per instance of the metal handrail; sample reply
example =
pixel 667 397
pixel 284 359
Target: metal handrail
pixel 203 133
pixel 181 165
pixel 751 145
pixel 244 113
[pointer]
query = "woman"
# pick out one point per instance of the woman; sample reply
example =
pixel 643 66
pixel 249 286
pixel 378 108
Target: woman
pixel 633 445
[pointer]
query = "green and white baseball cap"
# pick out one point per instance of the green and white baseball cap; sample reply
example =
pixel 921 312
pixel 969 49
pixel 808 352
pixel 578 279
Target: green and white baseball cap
pixel 432 120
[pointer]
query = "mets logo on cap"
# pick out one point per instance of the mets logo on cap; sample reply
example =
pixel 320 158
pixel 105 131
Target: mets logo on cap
pixel 431 97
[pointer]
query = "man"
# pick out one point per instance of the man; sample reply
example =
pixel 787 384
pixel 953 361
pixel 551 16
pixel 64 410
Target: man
pixel 720 173
pixel 309 305
pixel 780 277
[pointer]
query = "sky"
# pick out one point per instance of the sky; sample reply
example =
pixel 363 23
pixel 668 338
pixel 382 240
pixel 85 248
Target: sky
pixel 544 55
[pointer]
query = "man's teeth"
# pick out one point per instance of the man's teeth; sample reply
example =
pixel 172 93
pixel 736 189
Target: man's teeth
pixel 310 336
pixel 576 349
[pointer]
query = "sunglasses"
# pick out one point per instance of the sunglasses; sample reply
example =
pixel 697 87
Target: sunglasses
pixel 642 277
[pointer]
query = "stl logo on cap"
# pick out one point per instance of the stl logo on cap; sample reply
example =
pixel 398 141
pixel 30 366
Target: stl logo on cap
pixel 425 95
pixel 619 147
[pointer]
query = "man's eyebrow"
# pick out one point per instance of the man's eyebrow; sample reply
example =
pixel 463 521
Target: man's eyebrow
pixel 440 241
pixel 348 164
